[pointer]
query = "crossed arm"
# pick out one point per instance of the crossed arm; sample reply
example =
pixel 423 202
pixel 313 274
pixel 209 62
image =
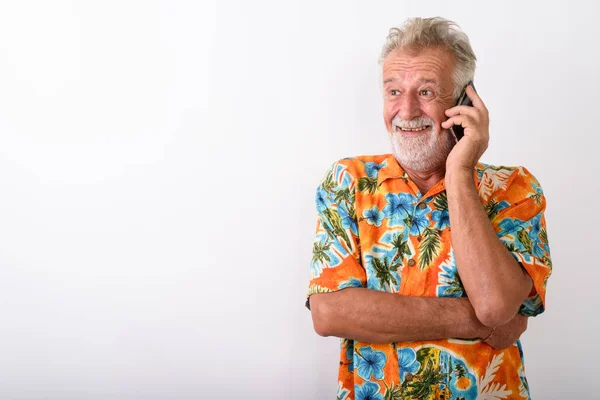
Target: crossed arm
pixel 494 281
pixel 381 317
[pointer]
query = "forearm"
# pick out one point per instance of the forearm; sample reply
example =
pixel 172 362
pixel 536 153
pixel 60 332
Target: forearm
pixel 494 281
pixel 381 317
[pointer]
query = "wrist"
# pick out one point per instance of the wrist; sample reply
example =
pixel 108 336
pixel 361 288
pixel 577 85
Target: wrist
pixel 459 176
pixel 486 338
pixel 473 328
pixel 483 332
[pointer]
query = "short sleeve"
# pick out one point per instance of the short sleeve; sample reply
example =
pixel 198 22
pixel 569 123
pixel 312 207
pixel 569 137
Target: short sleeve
pixel 335 263
pixel 521 227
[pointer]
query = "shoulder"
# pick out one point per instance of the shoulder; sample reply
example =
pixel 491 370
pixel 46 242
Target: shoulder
pixel 508 186
pixel 493 180
pixel 348 170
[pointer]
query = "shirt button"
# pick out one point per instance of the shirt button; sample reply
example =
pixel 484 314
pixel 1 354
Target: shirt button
pixel 422 206
pixel 411 263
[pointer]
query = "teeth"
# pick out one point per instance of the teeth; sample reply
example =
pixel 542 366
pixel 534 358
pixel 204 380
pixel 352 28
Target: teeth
pixel 413 129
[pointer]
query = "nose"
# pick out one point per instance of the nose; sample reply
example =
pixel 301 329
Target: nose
pixel 409 107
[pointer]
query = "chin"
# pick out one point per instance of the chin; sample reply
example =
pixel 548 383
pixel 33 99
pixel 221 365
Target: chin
pixel 421 152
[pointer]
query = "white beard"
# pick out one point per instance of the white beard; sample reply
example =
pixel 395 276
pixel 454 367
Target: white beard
pixel 422 152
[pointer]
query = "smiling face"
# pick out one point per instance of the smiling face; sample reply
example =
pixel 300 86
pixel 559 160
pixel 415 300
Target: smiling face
pixel 418 88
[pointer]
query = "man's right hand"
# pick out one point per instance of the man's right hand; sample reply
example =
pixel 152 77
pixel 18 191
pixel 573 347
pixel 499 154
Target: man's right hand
pixel 506 335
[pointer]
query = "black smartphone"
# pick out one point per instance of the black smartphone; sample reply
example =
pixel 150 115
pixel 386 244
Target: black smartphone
pixel 463 100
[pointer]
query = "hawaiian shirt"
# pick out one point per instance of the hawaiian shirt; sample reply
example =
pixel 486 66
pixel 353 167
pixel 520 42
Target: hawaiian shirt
pixel 376 230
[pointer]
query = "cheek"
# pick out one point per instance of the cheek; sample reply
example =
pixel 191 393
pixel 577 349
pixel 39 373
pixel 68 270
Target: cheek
pixel 389 112
pixel 436 112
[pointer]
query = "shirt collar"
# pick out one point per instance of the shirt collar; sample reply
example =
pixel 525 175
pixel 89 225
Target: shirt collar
pixel 393 170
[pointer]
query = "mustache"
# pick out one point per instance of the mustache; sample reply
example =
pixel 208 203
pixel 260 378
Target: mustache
pixel 413 123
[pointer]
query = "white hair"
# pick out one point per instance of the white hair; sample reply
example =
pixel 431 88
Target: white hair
pixel 419 33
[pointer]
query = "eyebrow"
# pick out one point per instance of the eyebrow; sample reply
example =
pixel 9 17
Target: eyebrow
pixel 429 80
pixel 421 81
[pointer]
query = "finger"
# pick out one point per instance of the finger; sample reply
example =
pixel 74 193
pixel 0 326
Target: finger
pixel 463 110
pixel 463 120
pixel 475 99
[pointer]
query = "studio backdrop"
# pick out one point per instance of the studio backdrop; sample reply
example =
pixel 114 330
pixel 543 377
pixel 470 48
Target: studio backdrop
pixel 158 166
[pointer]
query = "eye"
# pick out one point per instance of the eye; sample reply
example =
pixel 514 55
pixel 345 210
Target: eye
pixel 426 92
pixel 394 92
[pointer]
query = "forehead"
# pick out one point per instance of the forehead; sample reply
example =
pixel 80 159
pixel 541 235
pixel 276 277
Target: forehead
pixel 431 64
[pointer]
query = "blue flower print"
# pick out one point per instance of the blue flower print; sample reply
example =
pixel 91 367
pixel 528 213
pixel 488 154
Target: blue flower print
pixel 373 216
pixel 350 356
pixel 352 282
pixel 407 362
pixel 535 226
pixel 419 221
pixel 368 391
pixel 370 363
pixel 538 249
pixel 501 206
pixel 525 231
pixel 441 218
pixel 322 200
pixel 509 225
pixel 398 207
pixel 347 220
pixel 372 168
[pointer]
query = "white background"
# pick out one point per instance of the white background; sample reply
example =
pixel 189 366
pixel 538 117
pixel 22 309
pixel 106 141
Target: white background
pixel 158 164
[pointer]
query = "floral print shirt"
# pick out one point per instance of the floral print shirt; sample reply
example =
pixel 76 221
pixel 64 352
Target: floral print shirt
pixel 376 230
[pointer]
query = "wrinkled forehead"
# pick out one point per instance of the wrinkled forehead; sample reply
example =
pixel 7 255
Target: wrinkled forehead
pixel 433 64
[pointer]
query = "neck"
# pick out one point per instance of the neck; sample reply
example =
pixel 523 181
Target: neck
pixel 425 180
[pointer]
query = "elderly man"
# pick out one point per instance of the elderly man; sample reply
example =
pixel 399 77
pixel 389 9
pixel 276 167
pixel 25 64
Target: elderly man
pixel 441 258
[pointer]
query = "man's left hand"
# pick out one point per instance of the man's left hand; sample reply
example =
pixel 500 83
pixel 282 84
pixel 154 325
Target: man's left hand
pixel 475 120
